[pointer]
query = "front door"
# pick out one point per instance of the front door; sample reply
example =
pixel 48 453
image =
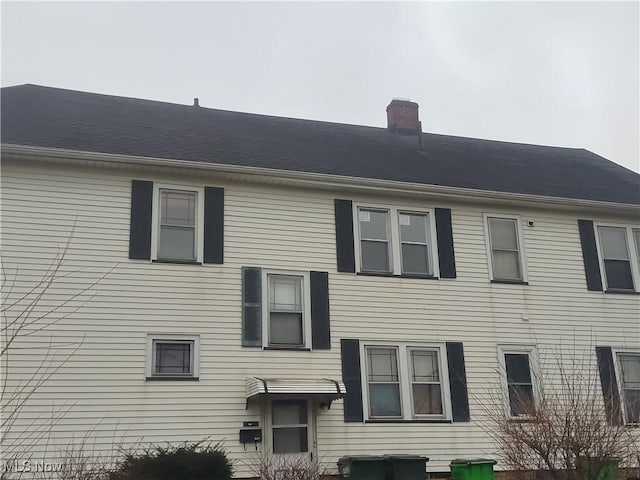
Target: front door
pixel 292 438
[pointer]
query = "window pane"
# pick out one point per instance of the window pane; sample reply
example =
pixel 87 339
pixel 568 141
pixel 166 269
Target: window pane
pixel 630 366
pixel 632 406
pixel 285 328
pixel 177 243
pixel 290 440
pixel 618 274
pixel 173 358
pixel 427 399
pixel 384 400
pixel 613 241
pixel 415 259
pixel 503 233
pixel 425 366
pixel 521 399
pixel 413 227
pixel 517 365
pixel 178 208
pixel 290 412
pixel 375 256
pixel 373 225
pixel 506 265
pixel 383 366
pixel 285 293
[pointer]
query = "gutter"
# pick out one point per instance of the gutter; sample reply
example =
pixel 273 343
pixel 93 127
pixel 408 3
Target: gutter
pixel 310 179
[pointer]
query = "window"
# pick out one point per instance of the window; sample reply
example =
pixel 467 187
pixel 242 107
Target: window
pixel 172 356
pixel 290 426
pixel 505 248
pixel 178 224
pixel 629 378
pixel 405 382
pixel 518 366
pixel 619 250
pixel 395 241
pixel 287 310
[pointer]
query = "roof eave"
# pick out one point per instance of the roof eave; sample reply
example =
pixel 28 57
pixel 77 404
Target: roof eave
pixel 308 179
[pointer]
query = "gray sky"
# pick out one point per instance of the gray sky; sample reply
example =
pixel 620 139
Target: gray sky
pixel 562 74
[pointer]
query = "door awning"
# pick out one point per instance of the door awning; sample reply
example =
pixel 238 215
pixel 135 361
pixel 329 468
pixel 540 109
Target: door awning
pixel 322 388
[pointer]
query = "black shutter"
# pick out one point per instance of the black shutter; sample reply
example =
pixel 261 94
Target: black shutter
pixel 251 307
pixel 140 226
pixel 350 356
pixel 590 255
pixel 446 253
pixel 458 382
pixel 344 236
pixel 609 385
pixel 320 326
pixel 213 225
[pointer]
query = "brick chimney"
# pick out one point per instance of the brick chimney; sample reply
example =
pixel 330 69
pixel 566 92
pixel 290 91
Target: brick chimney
pixel 402 116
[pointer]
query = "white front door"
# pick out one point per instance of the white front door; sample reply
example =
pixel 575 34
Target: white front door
pixel 291 436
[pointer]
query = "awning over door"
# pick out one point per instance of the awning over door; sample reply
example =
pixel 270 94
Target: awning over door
pixel 322 388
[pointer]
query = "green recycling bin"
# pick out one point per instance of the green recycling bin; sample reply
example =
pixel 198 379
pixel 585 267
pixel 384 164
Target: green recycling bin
pixel 383 467
pixel 472 469
pixel 600 468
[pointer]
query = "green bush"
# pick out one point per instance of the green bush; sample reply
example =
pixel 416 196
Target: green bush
pixel 187 461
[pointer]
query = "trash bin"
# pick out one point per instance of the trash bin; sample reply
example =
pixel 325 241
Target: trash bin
pixel 595 468
pixel 383 467
pixel 472 469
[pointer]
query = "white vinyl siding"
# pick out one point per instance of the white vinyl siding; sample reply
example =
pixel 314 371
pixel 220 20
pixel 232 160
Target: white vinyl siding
pixel 272 226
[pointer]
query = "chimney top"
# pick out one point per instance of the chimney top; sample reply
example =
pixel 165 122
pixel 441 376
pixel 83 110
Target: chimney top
pixel 196 102
pixel 402 116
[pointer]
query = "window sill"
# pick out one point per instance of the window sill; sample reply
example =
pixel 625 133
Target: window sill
pixel 173 379
pixel 622 291
pixel 393 275
pixel 296 349
pixel 179 262
pixel 510 282
pixel 408 421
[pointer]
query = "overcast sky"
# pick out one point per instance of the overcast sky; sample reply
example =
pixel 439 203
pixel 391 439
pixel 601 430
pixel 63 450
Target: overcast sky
pixel 562 74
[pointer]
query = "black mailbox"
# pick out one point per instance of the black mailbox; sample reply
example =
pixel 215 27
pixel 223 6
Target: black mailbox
pixel 250 435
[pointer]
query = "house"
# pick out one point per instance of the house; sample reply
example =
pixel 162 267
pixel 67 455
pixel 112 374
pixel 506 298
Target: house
pixel 303 287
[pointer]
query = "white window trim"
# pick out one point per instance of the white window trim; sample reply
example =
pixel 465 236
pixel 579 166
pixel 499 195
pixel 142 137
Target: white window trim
pixel 395 257
pixel 404 377
pixel 521 249
pixel 306 306
pixel 631 248
pixel 618 371
pixel 195 354
pixel 534 367
pixel 155 218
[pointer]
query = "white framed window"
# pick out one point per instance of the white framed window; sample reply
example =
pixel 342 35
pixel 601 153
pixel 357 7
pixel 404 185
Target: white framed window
pixel 395 240
pixel 287 309
pixel 173 356
pixel 177 223
pixel 627 364
pixel 405 381
pixel 505 248
pixel 290 426
pixel 520 377
pixel 619 256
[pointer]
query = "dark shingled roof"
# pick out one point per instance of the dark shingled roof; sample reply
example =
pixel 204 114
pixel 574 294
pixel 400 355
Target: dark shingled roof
pixel 51 117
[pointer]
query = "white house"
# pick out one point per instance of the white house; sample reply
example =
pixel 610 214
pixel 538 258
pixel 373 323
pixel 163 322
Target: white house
pixel 305 287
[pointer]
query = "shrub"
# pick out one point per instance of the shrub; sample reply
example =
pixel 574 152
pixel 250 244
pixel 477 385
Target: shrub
pixel 195 461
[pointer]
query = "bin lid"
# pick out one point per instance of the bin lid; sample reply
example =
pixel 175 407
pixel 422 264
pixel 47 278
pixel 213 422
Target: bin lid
pixel 380 458
pixel 473 461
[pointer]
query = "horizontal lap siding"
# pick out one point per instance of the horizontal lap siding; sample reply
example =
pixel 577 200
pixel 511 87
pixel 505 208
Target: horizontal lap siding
pixel 103 382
